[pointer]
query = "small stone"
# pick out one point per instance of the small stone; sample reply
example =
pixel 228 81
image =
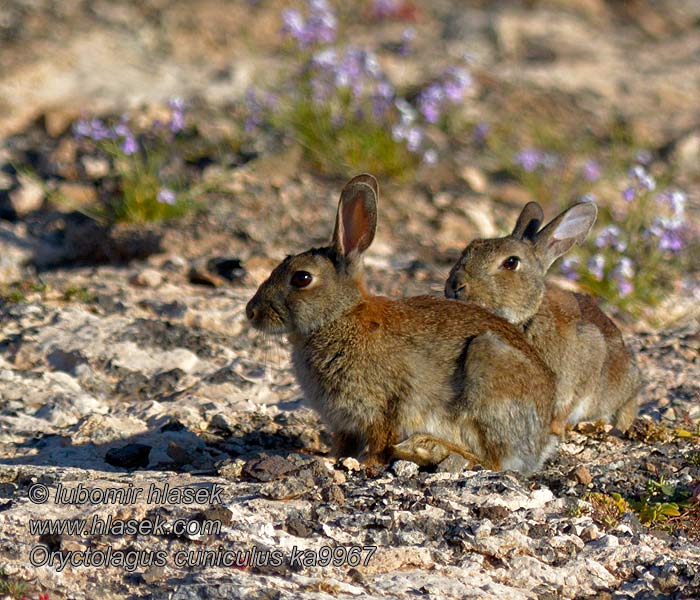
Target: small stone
pixel 454 463
pixel 58 119
pixel 333 494
pixel 474 178
pixel 268 468
pixel 286 489
pixel 351 464
pixel 299 527
pixel 95 167
pixel 28 197
pixel 339 477
pixel 581 474
pixel 494 512
pixel 149 278
pixel 175 263
pixel 404 468
pixel 590 533
pixel 232 470
pixel 687 153
pixel 73 196
pixel 131 456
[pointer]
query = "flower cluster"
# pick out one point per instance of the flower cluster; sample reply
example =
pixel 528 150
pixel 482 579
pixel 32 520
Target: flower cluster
pixel 320 27
pixel 531 159
pixel 342 91
pixel 122 134
pixel 450 89
pixel 139 163
pixel 98 131
pixel 629 254
pixel 670 228
pixel 641 182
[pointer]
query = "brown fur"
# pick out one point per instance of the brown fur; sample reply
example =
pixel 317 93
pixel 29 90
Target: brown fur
pixel 381 370
pixel 596 375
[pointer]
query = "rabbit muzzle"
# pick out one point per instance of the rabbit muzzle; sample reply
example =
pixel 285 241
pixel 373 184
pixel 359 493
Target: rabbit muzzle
pixel 456 289
pixel 264 316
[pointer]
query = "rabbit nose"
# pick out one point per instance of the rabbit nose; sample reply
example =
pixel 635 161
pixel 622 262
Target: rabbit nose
pixel 457 289
pixel 250 311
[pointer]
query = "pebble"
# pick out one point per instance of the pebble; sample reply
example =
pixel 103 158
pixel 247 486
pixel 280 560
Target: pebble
pixel 95 167
pixel 149 278
pixel 581 474
pixel 28 197
pixel 351 464
pixel 590 533
pixel 404 468
pixel 268 468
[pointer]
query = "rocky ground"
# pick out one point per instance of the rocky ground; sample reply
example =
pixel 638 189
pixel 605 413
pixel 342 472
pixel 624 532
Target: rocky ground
pixel 126 360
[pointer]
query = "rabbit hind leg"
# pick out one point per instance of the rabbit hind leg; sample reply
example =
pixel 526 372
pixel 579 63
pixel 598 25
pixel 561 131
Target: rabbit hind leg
pixel 428 450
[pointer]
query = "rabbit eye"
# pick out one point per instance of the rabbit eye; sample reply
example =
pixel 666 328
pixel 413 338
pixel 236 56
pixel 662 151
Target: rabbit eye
pixel 511 263
pixel 301 279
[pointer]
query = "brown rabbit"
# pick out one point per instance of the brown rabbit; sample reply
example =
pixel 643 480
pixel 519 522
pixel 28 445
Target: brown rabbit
pixel 596 374
pixel 381 370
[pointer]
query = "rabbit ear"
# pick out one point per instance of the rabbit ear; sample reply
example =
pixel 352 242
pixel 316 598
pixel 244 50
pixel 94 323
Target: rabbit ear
pixel 568 229
pixel 356 221
pixel 529 221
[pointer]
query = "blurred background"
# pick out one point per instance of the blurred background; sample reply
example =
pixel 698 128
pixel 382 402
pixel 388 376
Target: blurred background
pixel 225 129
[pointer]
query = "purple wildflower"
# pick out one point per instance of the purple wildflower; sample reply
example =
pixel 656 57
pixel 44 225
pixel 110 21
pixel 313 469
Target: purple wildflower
pixel 407 38
pixel 628 194
pixel 569 266
pixel 99 131
pixel 591 170
pixel 384 9
pixel 166 196
pixel 176 103
pixel 623 273
pixel 429 102
pixel 326 58
pixel 122 130
pixel 81 129
pixel 430 156
pixel 609 237
pixel 596 265
pixel 129 145
pixel 676 200
pixel 640 174
pixel 177 117
pixel 624 287
pixel 412 135
pixel 457 81
pixel 644 157
pixel 671 240
pixel 319 28
pixel 382 99
pixel 293 24
pixel 529 159
pixel 481 132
